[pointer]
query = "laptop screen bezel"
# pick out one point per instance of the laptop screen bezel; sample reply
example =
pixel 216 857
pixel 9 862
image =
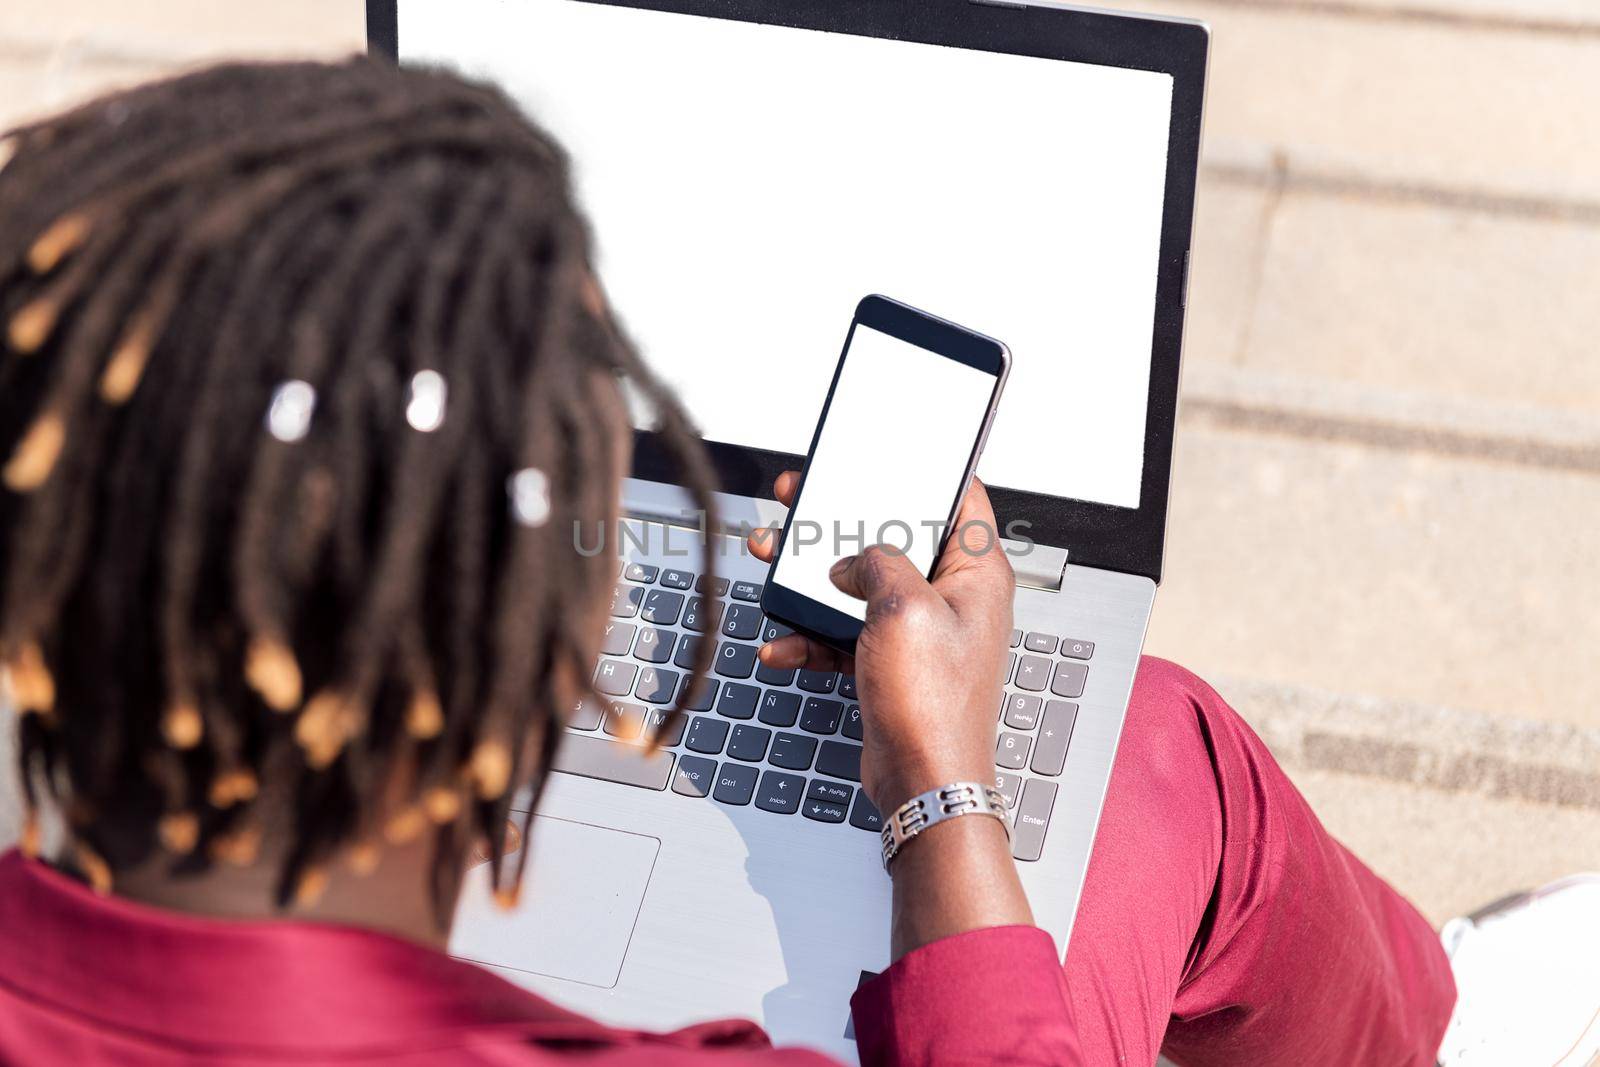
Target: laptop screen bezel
pixel 1094 534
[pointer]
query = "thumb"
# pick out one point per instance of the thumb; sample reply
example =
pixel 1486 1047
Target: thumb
pixel 882 577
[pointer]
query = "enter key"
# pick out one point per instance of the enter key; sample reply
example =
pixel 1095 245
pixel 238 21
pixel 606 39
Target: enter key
pixel 1033 817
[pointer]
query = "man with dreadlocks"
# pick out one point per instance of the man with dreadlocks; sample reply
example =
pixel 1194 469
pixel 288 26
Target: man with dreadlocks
pixel 305 384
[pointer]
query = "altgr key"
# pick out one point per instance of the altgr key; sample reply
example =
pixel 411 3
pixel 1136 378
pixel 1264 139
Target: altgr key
pixel 694 776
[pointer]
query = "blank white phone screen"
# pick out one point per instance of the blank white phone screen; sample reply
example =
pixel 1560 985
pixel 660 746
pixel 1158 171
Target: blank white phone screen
pixel 888 463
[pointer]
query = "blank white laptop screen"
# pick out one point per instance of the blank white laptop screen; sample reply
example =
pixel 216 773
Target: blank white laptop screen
pixel 748 184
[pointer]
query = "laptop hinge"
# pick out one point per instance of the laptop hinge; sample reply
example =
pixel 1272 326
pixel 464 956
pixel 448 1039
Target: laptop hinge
pixel 1037 566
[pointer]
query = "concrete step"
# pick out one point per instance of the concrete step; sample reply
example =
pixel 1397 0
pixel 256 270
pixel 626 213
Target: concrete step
pixel 54 55
pixel 1405 103
pixel 190 27
pixel 1311 551
pixel 1440 298
pixel 1527 16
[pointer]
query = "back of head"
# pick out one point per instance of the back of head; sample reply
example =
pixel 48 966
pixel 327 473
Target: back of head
pixel 302 404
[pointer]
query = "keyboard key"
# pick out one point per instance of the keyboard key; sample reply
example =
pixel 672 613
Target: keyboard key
pixel 1077 649
pixel 863 816
pixel 847 686
pixel 772 676
pixel 1011 751
pixel 1068 680
pixel 742 621
pixel 694 776
pixel 701 616
pixel 1050 754
pixel 852 722
pixel 625 721
pixel 655 725
pixel 749 743
pixel 736 661
pixel 818 681
pixel 625 600
pixel 1011 666
pixel 614 677
pixel 656 685
pixel 707 735
pixel 592 756
pixel 1033 673
pixel 821 716
pixel 705 694
pixel 661 607
pixel 687 645
pixel 840 760
pixel 738 701
pixel 1016 638
pixel 586 715
pixel 735 784
pixel 640 572
pixel 771 631
pixel 1022 711
pixel 750 591
pixel 832 792
pixel 716 586
pixel 673 579
pixel 1037 642
pixel 780 792
pixel 1010 785
pixel 824 811
pixel 779 708
pixel 1033 817
pixel 793 751
pixel 617 639
pixel 654 646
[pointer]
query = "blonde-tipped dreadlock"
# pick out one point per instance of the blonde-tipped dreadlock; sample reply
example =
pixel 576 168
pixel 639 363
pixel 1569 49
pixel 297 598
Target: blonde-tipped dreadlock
pixel 232 572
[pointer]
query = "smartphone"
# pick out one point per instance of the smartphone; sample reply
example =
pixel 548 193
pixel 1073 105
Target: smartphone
pixel 905 420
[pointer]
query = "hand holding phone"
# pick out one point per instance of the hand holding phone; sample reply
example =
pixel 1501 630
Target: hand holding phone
pixel 904 422
pixel 929 656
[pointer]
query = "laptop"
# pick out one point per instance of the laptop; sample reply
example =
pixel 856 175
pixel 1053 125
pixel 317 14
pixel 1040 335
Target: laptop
pixel 752 169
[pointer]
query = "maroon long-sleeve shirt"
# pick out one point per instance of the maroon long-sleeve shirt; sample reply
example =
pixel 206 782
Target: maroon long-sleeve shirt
pixel 87 980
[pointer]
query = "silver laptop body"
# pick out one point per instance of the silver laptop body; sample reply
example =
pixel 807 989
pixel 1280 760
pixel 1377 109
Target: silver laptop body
pixel 737 873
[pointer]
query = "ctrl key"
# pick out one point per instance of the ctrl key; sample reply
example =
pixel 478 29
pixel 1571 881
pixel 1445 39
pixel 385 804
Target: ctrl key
pixel 694 776
pixel 1033 817
pixel 736 784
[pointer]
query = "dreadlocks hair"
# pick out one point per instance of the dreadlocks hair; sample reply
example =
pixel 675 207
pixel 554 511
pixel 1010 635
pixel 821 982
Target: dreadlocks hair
pixel 241 592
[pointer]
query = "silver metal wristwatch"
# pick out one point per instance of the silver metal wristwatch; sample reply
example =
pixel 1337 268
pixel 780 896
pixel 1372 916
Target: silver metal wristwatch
pixel 935 806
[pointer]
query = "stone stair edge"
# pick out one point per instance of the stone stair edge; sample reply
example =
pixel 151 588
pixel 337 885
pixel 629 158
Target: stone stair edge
pixel 1445 749
pixel 1326 408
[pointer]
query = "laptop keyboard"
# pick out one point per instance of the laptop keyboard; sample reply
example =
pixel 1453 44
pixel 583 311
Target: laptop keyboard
pixel 787 742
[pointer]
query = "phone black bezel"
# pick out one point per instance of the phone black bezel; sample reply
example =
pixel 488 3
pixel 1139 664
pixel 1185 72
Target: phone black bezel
pixel 1094 534
pixel 932 334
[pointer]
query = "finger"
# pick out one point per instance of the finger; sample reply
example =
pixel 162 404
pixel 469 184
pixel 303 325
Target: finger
pixel 798 652
pixel 764 543
pixel 785 487
pixel 975 535
pixel 882 577
pixel 974 571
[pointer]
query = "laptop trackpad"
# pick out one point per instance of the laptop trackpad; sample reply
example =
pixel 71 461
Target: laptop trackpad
pixel 580 901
